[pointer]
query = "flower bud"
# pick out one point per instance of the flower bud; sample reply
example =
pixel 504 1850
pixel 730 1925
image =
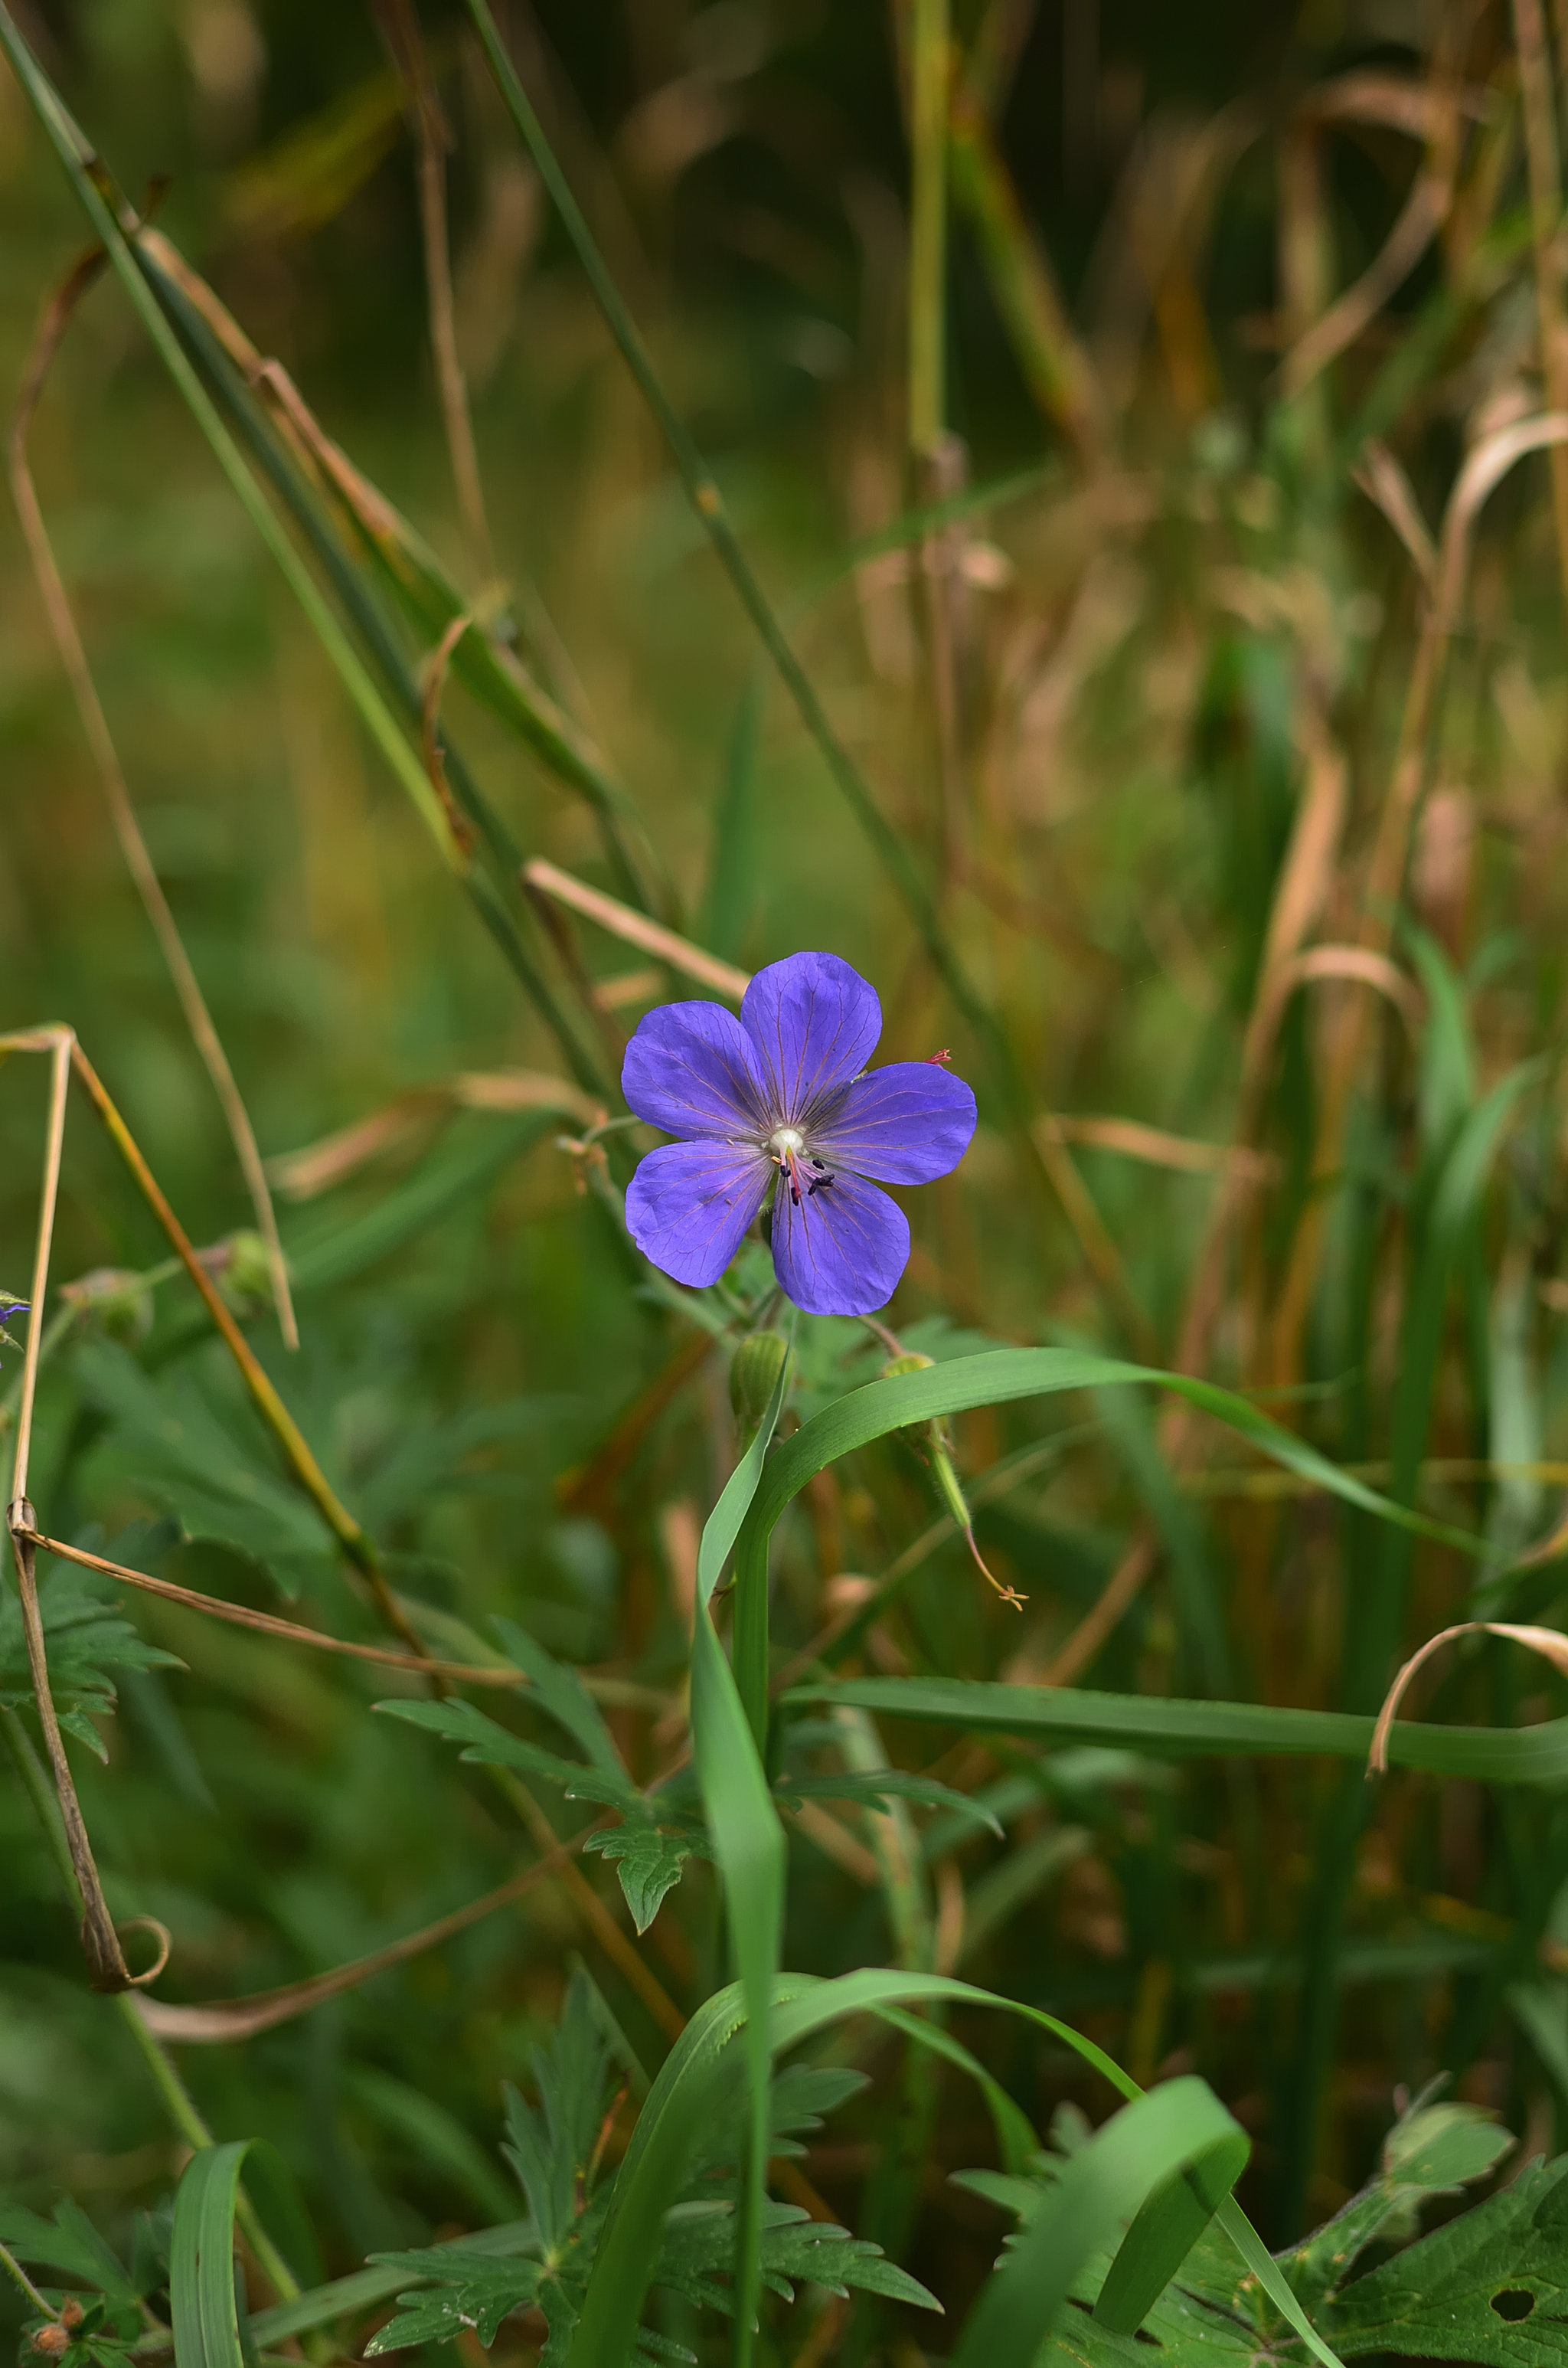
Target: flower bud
pixel 241 1263
pixel 753 1375
pixel 71 2312
pixel 51 2340
pixel 118 1297
pixel 909 1361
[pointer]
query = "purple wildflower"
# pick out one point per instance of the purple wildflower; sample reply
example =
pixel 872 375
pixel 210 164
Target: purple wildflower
pixel 781 1097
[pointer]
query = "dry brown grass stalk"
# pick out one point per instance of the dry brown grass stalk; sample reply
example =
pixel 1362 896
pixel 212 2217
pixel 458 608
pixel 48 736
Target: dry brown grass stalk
pixel 122 812
pixel 636 930
pixel 399 21
pixel 266 1623
pixel 1546 222
pixel 1485 466
pixel 107 1967
pixel 226 2020
pixel 319 1166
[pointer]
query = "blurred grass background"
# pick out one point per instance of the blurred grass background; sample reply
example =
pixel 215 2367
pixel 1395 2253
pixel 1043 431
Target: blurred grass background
pixel 1177 624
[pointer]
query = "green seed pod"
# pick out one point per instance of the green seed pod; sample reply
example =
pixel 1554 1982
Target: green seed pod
pixel 753 1375
pixel 911 1361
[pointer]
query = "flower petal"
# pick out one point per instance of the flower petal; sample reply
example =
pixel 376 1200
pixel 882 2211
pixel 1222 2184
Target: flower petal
pixel 690 1069
pixel 905 1125
pixel 689 1204
pixel 814 1022
pixel 842 1251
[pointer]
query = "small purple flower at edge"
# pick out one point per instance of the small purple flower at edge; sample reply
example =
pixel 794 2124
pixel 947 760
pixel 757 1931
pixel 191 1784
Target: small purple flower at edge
pixel 780 1101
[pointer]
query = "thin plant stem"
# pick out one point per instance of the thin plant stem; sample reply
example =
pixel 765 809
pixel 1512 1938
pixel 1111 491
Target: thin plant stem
pixel 100 1943
pixel 111 773
pixel 355 1541
pixel 9 2263
pixel 930 73
pixel 399 21
pixel 1546 222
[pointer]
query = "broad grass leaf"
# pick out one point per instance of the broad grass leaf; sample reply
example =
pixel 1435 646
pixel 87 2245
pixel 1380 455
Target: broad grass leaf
pixel 202 2262
pixel 1175 1729
pixel 1135 2160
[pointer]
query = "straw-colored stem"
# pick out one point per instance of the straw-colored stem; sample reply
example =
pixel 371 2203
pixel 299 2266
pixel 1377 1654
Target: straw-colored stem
pixel 354 1540
pixel 123 813
pixel 1546 222
pixel 106 1961
pixel 399 23
pixel 930 71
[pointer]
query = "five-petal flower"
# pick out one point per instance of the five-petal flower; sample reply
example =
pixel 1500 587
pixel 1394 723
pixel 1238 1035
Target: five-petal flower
pixel 780 1100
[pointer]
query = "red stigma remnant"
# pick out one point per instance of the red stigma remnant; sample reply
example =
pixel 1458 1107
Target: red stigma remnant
pixel 936 1060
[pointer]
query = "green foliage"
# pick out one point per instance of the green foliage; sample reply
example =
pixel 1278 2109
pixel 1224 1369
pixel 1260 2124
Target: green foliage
pixel 85 1639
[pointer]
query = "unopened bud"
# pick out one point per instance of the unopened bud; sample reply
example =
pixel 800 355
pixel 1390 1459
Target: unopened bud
pixel 53 2340
pixel 753 1376
pixel 71 2312
pixel 118 1297
pixel 909 1361
pixel 242 1267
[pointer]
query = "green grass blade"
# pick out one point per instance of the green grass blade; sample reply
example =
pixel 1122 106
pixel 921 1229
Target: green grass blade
pixel 1135 2167
pixel 1170 1729
pixel 991 1380
pixel 201 2261
pixel 747 1838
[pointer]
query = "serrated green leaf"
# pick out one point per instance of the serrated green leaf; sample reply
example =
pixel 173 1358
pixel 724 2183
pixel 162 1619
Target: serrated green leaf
pixel 476 2292
pixel 1431 2150
pixel 550 2146
pixel 83 1639
pixel 69 2243
pixel 648 1861
pixel 557 1687
pixel 1491 2286
pixel 489 1744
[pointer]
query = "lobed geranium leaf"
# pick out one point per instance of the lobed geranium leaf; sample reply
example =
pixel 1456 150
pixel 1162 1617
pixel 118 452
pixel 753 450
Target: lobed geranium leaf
pixel 1433 2149
pixel 83 1639
pixel 650 1862
pixel 476 2292
pixel 1491 2286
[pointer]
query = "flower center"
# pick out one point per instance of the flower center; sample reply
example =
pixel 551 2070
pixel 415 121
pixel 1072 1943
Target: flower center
pixel 788 1147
